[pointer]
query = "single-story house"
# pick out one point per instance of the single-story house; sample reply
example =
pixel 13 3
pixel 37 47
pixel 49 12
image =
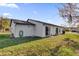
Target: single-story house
pixel 34 28
pixel 73 29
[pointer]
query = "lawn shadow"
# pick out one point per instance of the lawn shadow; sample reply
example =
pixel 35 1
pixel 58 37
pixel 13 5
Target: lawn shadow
pixel 11 42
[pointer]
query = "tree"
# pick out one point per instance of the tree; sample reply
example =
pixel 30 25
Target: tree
pixel 69 11
pixel 0 23
pixel 4 23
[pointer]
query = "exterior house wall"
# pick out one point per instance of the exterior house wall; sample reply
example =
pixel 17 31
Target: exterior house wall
pixel 28 30
pixel 53 30
pixel 39 28
pixel 44 30
pixel 12 28
pixel 60 30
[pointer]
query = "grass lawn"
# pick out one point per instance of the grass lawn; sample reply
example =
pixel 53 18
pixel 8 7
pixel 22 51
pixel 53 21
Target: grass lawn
pixel 65 45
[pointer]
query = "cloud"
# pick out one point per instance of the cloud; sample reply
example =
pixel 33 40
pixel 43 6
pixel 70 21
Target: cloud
pixel 35 12
pixel 11 5
pixel 7 15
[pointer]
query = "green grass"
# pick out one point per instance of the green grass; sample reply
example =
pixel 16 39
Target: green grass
pixel 6 41
pixel 66 51
pixel 55 45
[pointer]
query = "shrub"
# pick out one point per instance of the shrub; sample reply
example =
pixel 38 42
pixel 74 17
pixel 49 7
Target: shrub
pixel 66 51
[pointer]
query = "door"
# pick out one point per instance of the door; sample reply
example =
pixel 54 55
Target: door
pixel 56 31
pixel 46 31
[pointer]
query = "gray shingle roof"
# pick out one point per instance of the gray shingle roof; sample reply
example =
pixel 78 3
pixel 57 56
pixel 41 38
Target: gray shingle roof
pixel 21 22
pixel 44 23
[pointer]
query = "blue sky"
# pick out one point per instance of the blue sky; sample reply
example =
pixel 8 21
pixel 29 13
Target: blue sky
pixel 39 11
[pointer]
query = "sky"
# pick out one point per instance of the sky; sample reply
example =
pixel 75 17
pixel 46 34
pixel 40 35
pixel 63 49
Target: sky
pixel 46 12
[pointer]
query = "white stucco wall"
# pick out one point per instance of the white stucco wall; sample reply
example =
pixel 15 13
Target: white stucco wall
pixel 39 29
pixel 53 30
pixel 28 30
pixel 60 30
pixel 12 28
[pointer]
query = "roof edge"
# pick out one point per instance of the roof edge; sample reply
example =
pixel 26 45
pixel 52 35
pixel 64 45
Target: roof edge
pixel 44 23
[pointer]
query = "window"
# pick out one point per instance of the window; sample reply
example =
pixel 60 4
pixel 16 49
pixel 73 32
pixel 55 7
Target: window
pixel 21 33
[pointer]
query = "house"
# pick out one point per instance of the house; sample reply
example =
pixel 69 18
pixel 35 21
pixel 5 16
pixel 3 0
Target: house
pixel 73 29
pixel 34 28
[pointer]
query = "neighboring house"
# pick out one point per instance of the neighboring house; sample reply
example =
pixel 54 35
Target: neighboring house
pixel 73 29
pixel 34 28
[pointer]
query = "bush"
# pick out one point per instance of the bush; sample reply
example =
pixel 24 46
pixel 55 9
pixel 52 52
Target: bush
pixel 66 51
